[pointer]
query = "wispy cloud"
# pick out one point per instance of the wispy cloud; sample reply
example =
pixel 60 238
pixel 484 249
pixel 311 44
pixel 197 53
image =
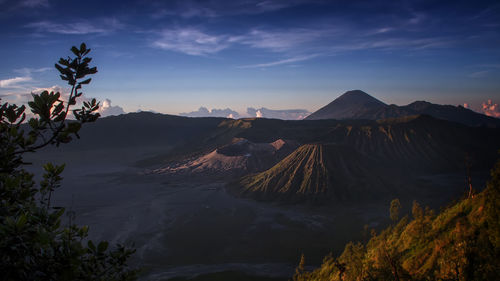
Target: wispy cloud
pixel 408 43
pixel 186 10
pixel 295 44
pixel 479 74
pixel 282 40
pixel 27 71
pixel 281 62
pixel 102 26
pixel 191 41
pixel 14 82
pixel 219 8
pixel 381 30
pixel 35 3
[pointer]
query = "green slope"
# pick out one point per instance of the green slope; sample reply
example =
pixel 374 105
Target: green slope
pixel 460 243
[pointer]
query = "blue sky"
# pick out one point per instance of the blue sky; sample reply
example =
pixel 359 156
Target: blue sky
pixel 175 56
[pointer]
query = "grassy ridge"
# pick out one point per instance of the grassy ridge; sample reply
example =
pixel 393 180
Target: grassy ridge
pixel 461 243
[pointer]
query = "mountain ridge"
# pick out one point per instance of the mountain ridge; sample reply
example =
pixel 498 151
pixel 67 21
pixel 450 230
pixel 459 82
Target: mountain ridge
pixel 357 104
pixel 354 104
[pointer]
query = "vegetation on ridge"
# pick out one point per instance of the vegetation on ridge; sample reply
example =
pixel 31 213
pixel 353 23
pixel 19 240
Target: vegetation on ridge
pixel 460 243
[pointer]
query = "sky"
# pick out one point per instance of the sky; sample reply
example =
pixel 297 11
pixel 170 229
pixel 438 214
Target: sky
pixel 245 56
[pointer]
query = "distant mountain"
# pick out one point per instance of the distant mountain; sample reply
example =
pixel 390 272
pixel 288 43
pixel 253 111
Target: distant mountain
pixel 330 159
pixel 356 159
pixel 351 105
pixel 359 105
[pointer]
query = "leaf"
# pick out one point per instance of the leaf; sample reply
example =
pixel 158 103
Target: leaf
pixel 103 246
pixel 21 221
pixel 59 68
pixel 48 167
pixel 91 245
pixel 57 109
pixel 73 127
pixel 75 51
pixel 60 169
pixel 60 117
pixel 33 123
pixel 83 48
pixel 85 81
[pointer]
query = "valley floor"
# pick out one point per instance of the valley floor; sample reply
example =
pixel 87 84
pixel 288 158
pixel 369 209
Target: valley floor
pixel 186 227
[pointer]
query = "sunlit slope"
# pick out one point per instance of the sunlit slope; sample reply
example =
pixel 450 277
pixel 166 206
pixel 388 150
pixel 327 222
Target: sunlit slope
pixel 237 158
pixel 318 172
pixel 460 243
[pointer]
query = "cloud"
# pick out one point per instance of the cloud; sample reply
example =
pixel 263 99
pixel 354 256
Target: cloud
pixel 106 109
pixel 281 62
pixel 27 71
pixel 191 41
pixel 282 40
pixel 204 112
pixel 14 82
pixel 491 109
pixel 285 114
pixel 479 74
pixel 35 3
pixel 102 26
pixel 219 8
pixel 185 9
pixel 299 44
pixel 381 30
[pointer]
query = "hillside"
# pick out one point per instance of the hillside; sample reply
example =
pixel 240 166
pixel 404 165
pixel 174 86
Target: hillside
pixel 360 105
pixel 143 129
pixel 318 172
pixel 350 161
pixel 460 243
pixel 236 158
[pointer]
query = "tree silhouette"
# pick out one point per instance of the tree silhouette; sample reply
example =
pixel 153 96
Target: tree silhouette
pixel 34 245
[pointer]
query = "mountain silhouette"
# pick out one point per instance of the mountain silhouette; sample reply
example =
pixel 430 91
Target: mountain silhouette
pixel 354 104
pixel 360 105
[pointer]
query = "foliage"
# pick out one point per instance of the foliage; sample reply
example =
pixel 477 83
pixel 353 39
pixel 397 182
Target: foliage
pixel 394 209
pixel 34 244
pixel 461 243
